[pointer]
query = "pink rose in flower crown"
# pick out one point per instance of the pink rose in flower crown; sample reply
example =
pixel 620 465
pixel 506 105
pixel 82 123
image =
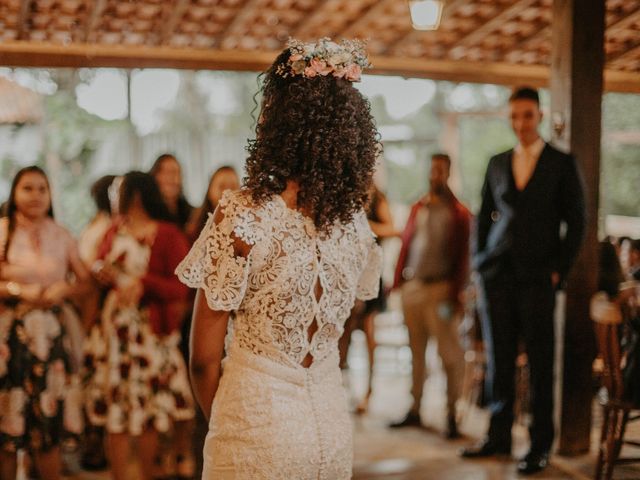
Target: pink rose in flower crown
pixel 298 66
pixel 353 72
pixel 309 72
pixel 340 72
pixel 320 66
pixel 324 57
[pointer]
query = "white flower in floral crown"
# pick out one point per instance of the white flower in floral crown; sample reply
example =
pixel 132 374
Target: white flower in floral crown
pixel 308 50
pixel 340 58
pixel 325 57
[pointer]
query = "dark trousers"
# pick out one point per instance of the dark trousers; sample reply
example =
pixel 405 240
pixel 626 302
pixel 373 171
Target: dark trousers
pixel 513 310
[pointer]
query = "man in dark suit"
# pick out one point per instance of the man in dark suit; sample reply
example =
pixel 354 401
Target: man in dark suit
pixel 529 230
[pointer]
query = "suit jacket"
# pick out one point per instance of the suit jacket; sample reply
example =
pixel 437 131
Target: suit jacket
pixel 532 232
pixel 459 244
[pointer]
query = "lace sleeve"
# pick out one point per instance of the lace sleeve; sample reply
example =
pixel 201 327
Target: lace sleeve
pixel 212 263
pixel 369 282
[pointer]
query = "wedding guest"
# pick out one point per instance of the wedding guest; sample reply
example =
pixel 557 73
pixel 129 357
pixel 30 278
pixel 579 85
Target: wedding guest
pixel 94 455
pixel 39 270
pixel 223 179
pixel 136 379
pixel 364 313
pixel 91 236
pixel 433 269
pixel 167 172
pixel 523 257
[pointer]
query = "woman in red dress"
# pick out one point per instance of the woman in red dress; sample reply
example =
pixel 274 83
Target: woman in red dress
pixel 137 383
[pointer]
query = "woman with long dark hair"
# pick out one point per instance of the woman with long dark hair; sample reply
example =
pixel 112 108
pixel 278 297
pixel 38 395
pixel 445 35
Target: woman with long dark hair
pixel 136 380
pixel 39 270
pixel 90 237
pixel 363 314
pixel 223 179
pixel 285 258
pixel 167 172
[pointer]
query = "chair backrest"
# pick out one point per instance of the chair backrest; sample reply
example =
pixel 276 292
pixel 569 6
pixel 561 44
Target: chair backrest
pixel 607 317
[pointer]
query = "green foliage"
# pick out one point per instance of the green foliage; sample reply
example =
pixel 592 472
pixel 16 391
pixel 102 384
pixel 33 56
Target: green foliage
pixel 481 138
pixel 620 181
pixel 621 111
pixel 73 136
pixel 406 161
pixel 620 162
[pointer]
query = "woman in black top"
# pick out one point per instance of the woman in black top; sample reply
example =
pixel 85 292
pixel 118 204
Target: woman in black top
pixel 363 313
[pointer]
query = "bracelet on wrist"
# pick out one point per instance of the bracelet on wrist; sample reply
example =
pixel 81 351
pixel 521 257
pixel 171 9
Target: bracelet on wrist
pixel 14 289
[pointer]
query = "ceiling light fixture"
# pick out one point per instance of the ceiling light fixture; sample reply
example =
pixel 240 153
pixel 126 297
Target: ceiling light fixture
pixel 425 14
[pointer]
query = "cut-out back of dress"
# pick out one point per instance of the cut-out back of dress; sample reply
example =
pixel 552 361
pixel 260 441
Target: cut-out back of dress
pixel 294 290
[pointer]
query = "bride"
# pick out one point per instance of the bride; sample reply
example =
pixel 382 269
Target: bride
pixel 278 268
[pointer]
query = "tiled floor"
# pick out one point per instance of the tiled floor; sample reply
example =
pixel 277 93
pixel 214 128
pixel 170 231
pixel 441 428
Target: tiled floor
pixel 412 453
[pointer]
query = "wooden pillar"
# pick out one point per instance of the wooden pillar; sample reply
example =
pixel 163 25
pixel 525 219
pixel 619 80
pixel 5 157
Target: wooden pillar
pixel 577 63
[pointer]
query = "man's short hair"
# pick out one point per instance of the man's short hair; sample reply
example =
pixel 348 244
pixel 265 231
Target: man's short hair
pixel 442 156
pixel 525 93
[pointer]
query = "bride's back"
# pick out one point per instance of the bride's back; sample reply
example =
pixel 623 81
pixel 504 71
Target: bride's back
pixel 295 288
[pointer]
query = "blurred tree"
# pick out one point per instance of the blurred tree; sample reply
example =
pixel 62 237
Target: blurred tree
pixel 213 109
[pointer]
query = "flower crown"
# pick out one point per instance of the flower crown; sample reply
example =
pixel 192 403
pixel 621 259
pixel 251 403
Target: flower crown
pixel 345 60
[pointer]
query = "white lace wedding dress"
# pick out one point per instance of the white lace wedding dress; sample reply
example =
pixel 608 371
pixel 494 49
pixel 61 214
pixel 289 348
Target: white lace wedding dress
pixel 271 417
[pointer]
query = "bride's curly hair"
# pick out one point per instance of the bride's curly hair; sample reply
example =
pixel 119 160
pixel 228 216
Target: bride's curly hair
pixel 319 132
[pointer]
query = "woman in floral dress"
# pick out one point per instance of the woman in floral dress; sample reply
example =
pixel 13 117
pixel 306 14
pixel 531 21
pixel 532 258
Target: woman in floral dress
pixel 40 398
pixel 136 379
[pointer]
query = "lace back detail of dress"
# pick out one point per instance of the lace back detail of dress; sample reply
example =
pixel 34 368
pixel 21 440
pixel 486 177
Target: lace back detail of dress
pixel 294 290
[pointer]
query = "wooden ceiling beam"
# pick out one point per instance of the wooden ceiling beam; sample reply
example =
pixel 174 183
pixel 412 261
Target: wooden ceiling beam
pixel 35 54
pixel 461 71
pixel 23 18
pixel 624 22
pixel 172 22
pixel 624 56
pixel 95 9
pixel 477 34
pixel 622 82
pixel 372 11
pixel 317 13
pixel 234 25
pixel 537 35
pixel 413 34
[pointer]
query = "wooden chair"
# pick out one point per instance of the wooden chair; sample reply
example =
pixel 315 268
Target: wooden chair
pixel 617 412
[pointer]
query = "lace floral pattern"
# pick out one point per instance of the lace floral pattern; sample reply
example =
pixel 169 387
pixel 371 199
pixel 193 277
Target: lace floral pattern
pixel 272 422
pixel 273 290
pixel 271 418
